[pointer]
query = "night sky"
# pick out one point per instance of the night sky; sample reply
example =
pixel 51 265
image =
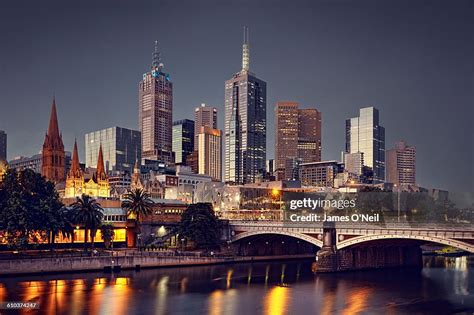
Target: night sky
pixel 413 60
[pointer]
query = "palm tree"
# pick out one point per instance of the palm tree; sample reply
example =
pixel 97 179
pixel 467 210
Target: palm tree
pixel 137 203
pixel 87 212
pixel 107 233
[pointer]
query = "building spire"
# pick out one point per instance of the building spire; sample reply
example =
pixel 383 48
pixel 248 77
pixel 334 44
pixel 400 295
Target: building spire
pixel 53 129
pixel 156 64
pixel 100 172
pixel 246 51
pixel 75 170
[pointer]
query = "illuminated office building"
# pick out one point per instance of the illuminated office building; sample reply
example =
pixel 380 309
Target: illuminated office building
pixel 297 138
pixel 210 152
pixel 364 134
pixel 245 124
pixel 156 112
pixel 204 116
pixel 183 140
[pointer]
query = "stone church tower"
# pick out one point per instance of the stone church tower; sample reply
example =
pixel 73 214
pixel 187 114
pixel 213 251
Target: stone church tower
pixel 53 164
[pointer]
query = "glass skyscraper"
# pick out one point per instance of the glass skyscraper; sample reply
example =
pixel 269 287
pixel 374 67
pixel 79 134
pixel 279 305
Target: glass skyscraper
pixel 121 147
pixel 183 140
pixel 364 134
pixel 245 124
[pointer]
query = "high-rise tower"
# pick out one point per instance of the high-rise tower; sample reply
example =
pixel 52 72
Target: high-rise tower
pixel 364 134
pixel 156 112
pixel 204 116
pixel 245 123
pixel 297 137
pixel 53 162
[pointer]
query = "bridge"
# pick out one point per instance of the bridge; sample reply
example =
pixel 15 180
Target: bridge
pixel 344 246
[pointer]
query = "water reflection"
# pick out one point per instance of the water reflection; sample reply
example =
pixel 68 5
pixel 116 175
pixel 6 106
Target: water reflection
pixel 276 301
pixel 443 285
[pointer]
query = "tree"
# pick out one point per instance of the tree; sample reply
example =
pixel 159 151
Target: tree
pixel 107 233
pixel 138 204
pixel 30 209
pixel 87 212
pixel 200 224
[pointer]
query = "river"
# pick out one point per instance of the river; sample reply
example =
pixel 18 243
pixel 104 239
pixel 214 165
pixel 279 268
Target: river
pixel 443 286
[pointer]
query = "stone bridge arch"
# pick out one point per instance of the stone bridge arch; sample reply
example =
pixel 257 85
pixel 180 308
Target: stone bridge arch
pixel 296 235
pixel 440 240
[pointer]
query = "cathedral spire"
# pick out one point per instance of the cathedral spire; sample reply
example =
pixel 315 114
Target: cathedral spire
pixel 53 155
pixel 100 165
pixel 53 129
pixel 75 170
pixel 246 51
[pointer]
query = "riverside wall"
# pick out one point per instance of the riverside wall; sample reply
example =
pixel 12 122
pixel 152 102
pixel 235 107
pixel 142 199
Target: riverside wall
pixel 75 264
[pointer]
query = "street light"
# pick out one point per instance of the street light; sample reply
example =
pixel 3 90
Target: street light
pixel 398 201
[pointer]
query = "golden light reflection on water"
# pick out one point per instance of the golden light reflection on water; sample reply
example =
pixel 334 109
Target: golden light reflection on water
pixel 229 277
pixel 77 296
pixel 56 296
pixel 357 301
pixel 120 295
pixel 276 301
pixel 215 302
pixel 3 292
pixel 96 295
pixel 32 290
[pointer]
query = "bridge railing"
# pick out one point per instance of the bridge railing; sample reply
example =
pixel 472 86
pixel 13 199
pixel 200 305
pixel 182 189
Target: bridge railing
pixel 355 225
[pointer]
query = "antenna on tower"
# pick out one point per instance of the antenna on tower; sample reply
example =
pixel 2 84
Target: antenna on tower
pixel 156 64
pixel 246 51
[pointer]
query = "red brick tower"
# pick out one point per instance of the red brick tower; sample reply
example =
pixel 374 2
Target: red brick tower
pixel 53 165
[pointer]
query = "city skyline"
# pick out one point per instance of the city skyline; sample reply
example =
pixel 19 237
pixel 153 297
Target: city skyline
pixel 432 170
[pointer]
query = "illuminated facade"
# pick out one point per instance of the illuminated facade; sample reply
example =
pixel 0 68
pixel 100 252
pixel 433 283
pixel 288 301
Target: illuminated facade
pixel 245 125
pixel 204 116
pixel 364 134
pixel 156 112
pixel 183 140
pixel 3 169
pixel 152 186
pixel 297 137
pixel 319 174
pixel 210 152
pixel 53 155
pixel 77 183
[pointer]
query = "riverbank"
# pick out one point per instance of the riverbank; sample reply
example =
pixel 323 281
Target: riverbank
pixel 108 263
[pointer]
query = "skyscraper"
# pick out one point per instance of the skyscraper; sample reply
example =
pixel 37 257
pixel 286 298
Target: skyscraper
pixel 297 137
pixel 53 160
pixel 365 135
pixel 210 152
pixel 245 124
pixel 121 148
pixel 3 145
pixel 156 112
pixel 401 168
pixel 183 140
pixel 204 116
